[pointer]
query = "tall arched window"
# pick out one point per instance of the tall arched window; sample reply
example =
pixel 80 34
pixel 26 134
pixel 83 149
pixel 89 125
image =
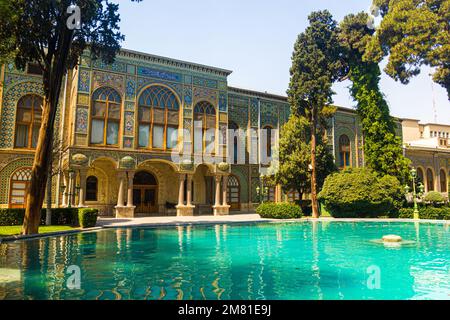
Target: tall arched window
pixel 158 118
pixel 105 120
pixel 443 179
pixel 205 125
pixel 344 151
pixel 430 180
pixel 420 176
pixel 233 192
pixel 269 137
pixel 91 188
pixel 28 121
pixel 20 181
pixel 233 127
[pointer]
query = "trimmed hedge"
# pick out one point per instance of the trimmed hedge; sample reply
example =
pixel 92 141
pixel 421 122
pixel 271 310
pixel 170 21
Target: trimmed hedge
pixel 361 193
pixel 434 198
pixel 87 218
pixel 60 216
pixel 428 213
pixel 283 210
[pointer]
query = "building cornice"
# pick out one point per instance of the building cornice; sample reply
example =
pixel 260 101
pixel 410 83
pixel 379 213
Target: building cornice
pixel 174 62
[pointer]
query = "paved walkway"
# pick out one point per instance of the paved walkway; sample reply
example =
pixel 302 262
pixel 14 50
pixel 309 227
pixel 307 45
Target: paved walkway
pixel 154 221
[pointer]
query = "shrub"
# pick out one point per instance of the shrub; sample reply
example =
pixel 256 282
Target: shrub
pixel 428 213
pixel 61 216
pixel 11 217
pixel 361 193
pixel 87 218
pixel 279 210
pixel 434 198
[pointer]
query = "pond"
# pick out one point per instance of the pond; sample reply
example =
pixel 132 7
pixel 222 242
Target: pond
pixel 298 260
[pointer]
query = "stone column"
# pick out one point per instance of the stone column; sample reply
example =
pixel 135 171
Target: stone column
pixel 217 202
pixel 82 195
pixel 189 190
pixel 181 190
pixel 224 190
pixel 130 175
pixel 66 189
pixel 71 188
pixel 120 198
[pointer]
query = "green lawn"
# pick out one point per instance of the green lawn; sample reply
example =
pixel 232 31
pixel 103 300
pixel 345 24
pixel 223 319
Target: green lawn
pixel 15 230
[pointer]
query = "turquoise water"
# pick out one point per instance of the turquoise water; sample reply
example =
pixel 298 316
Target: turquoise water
pixel 305 260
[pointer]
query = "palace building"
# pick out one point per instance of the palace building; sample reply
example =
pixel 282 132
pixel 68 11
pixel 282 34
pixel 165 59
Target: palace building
pixel 119 126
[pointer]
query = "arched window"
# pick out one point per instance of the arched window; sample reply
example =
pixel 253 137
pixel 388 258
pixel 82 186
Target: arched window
pixel 205 125
pixel 20 181
pixel 28 121
pixel 105 120
pixel 233 127
pixel 158 118
pixel 430 180
pixel 91 188
pixel 269 137
pixel 420 176
pixel 344 151
pixel 443 179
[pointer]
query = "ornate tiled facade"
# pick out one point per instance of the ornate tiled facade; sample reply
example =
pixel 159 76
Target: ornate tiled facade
pixel 110 172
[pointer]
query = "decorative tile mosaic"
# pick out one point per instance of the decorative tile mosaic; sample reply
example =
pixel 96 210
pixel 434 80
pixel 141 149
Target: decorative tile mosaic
pixel 130 105
pixel 188 79
pixel 131 69
pixel 222 85
pixel 12 79
pixel 269 114
pixel 129 124
pixel 143 82
pixel 131 88
pixel 8 116
pixel 81 123
pixel 85 61
pixel 159 74
pixel 187 92
pixel 223 102
pixel 202 93
pixel 103 79
pixel 84 81
pixel 128 142
pixel 203 82
pixel 188 113
pixel 83 99
pixel 117 66
pixel 238 115
pixel 254 112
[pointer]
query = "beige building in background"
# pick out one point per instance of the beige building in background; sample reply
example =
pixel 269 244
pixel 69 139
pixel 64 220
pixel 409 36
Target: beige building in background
pixel 428 147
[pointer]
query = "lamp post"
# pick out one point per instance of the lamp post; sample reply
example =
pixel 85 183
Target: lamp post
pixel 415 194
pixel 262 192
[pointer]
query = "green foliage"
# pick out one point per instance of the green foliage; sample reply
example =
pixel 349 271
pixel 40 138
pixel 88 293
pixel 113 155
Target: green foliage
pixel 434 197
pixel 359 193
pixel 87 217
pixel 60 216
pixel 293 172
pixel 413 33
pixel 382 148
pixel 428 213
pixel 283 210
pixel 11 217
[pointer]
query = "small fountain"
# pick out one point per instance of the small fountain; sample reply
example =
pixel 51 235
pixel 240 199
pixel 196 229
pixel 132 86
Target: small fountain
pixel 393 241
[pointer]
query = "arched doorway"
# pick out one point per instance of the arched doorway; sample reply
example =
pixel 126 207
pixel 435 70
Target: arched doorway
pixel 145 192
pixel 20 181
pixel 234 193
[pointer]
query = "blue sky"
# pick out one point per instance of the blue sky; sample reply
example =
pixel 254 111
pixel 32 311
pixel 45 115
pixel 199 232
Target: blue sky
pixel 255 39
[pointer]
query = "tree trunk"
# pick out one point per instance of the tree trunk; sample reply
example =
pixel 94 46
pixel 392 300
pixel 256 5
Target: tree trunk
pixel 48 211
pixel 315 206
pixel 52 80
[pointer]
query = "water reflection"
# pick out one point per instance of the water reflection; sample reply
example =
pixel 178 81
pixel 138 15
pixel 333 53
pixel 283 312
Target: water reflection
pixel 275 261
